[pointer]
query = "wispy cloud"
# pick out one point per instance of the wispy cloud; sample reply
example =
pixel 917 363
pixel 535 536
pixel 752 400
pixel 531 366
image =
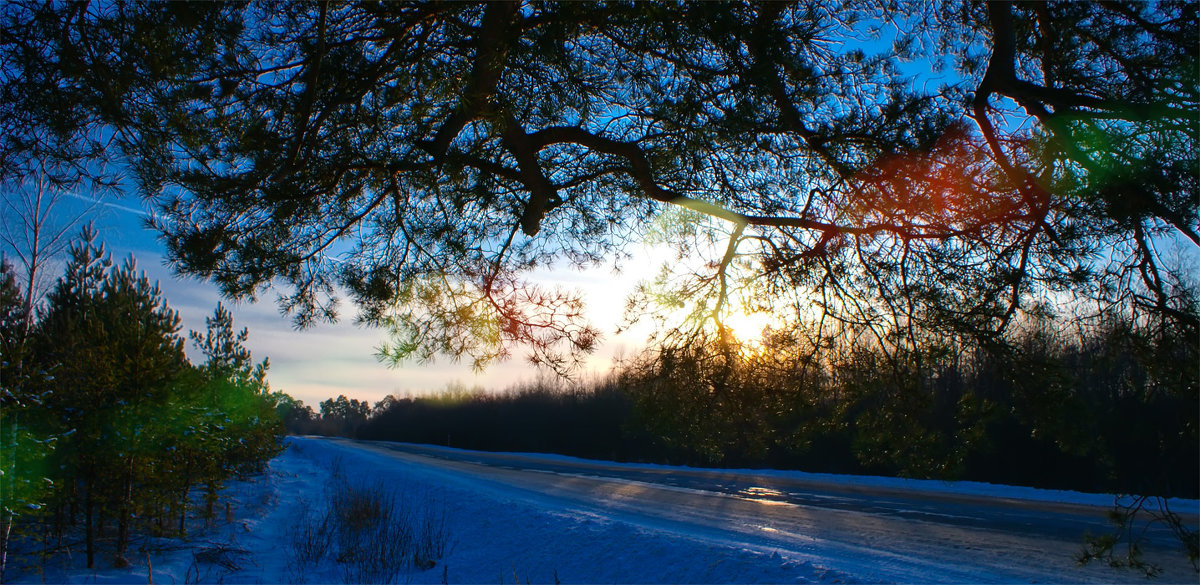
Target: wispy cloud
pixel 109 204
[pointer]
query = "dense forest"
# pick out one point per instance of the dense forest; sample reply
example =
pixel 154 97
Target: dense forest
pixel 108 429
pixel 1106 407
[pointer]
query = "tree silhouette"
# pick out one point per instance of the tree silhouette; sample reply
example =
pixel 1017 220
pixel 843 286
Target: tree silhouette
pixel 37 230
pixel 945 169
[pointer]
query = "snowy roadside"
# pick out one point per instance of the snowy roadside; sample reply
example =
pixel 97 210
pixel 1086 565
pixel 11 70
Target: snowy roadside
pixel 495 535
pixel 492 539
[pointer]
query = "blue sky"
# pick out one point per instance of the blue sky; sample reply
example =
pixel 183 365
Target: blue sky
pixel 331 359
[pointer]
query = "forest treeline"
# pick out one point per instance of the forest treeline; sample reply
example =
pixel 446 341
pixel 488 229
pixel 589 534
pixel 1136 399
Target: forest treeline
pixel 108 429
pixel 1105 406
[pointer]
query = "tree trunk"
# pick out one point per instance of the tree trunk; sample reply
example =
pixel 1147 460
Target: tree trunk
pixel 183 501
pixel 210 500
pixel 183 506
pixel 73 515
pixel 89 530
pixel 122 540
pixel 124 516
pixel 4 535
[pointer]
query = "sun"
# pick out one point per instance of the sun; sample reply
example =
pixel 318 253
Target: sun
pixel 747 327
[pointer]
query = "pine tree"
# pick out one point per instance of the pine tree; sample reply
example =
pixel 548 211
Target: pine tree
pixel 61 347
pixel 226 356
pixel 25 442
pixel 12 339
pixel 244 424
pixel 114 348
pixel 146 355
pixel 135 425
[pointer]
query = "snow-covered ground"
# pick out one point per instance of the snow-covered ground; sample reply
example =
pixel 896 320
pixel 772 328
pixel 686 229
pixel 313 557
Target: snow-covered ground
pixel 493 534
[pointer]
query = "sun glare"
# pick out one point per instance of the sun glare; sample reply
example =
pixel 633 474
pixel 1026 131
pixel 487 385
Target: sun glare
pixel 747 327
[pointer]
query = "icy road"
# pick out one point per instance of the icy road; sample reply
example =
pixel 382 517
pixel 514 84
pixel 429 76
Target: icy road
pixel 516 518
pixel 868 529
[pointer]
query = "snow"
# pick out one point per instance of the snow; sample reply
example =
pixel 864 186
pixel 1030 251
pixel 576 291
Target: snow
pixel 495 534
pixel 492 538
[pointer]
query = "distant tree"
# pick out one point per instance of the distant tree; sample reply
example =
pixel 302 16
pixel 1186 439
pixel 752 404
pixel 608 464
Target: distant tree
pixel 343 416
pixel 298 418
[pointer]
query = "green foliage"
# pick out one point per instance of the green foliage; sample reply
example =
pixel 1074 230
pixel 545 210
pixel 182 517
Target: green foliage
pixel 26 467
pixel 106 418
pixel 27 480
pixel 236 396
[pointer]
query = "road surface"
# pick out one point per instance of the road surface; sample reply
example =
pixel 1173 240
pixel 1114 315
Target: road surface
pixel 886 534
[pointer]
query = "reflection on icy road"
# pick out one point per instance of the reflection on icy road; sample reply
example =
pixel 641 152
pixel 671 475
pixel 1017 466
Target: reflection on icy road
pixel 882 533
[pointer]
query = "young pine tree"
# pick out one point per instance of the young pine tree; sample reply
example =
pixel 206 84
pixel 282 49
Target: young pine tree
pixel 113 347
pixel 243 418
